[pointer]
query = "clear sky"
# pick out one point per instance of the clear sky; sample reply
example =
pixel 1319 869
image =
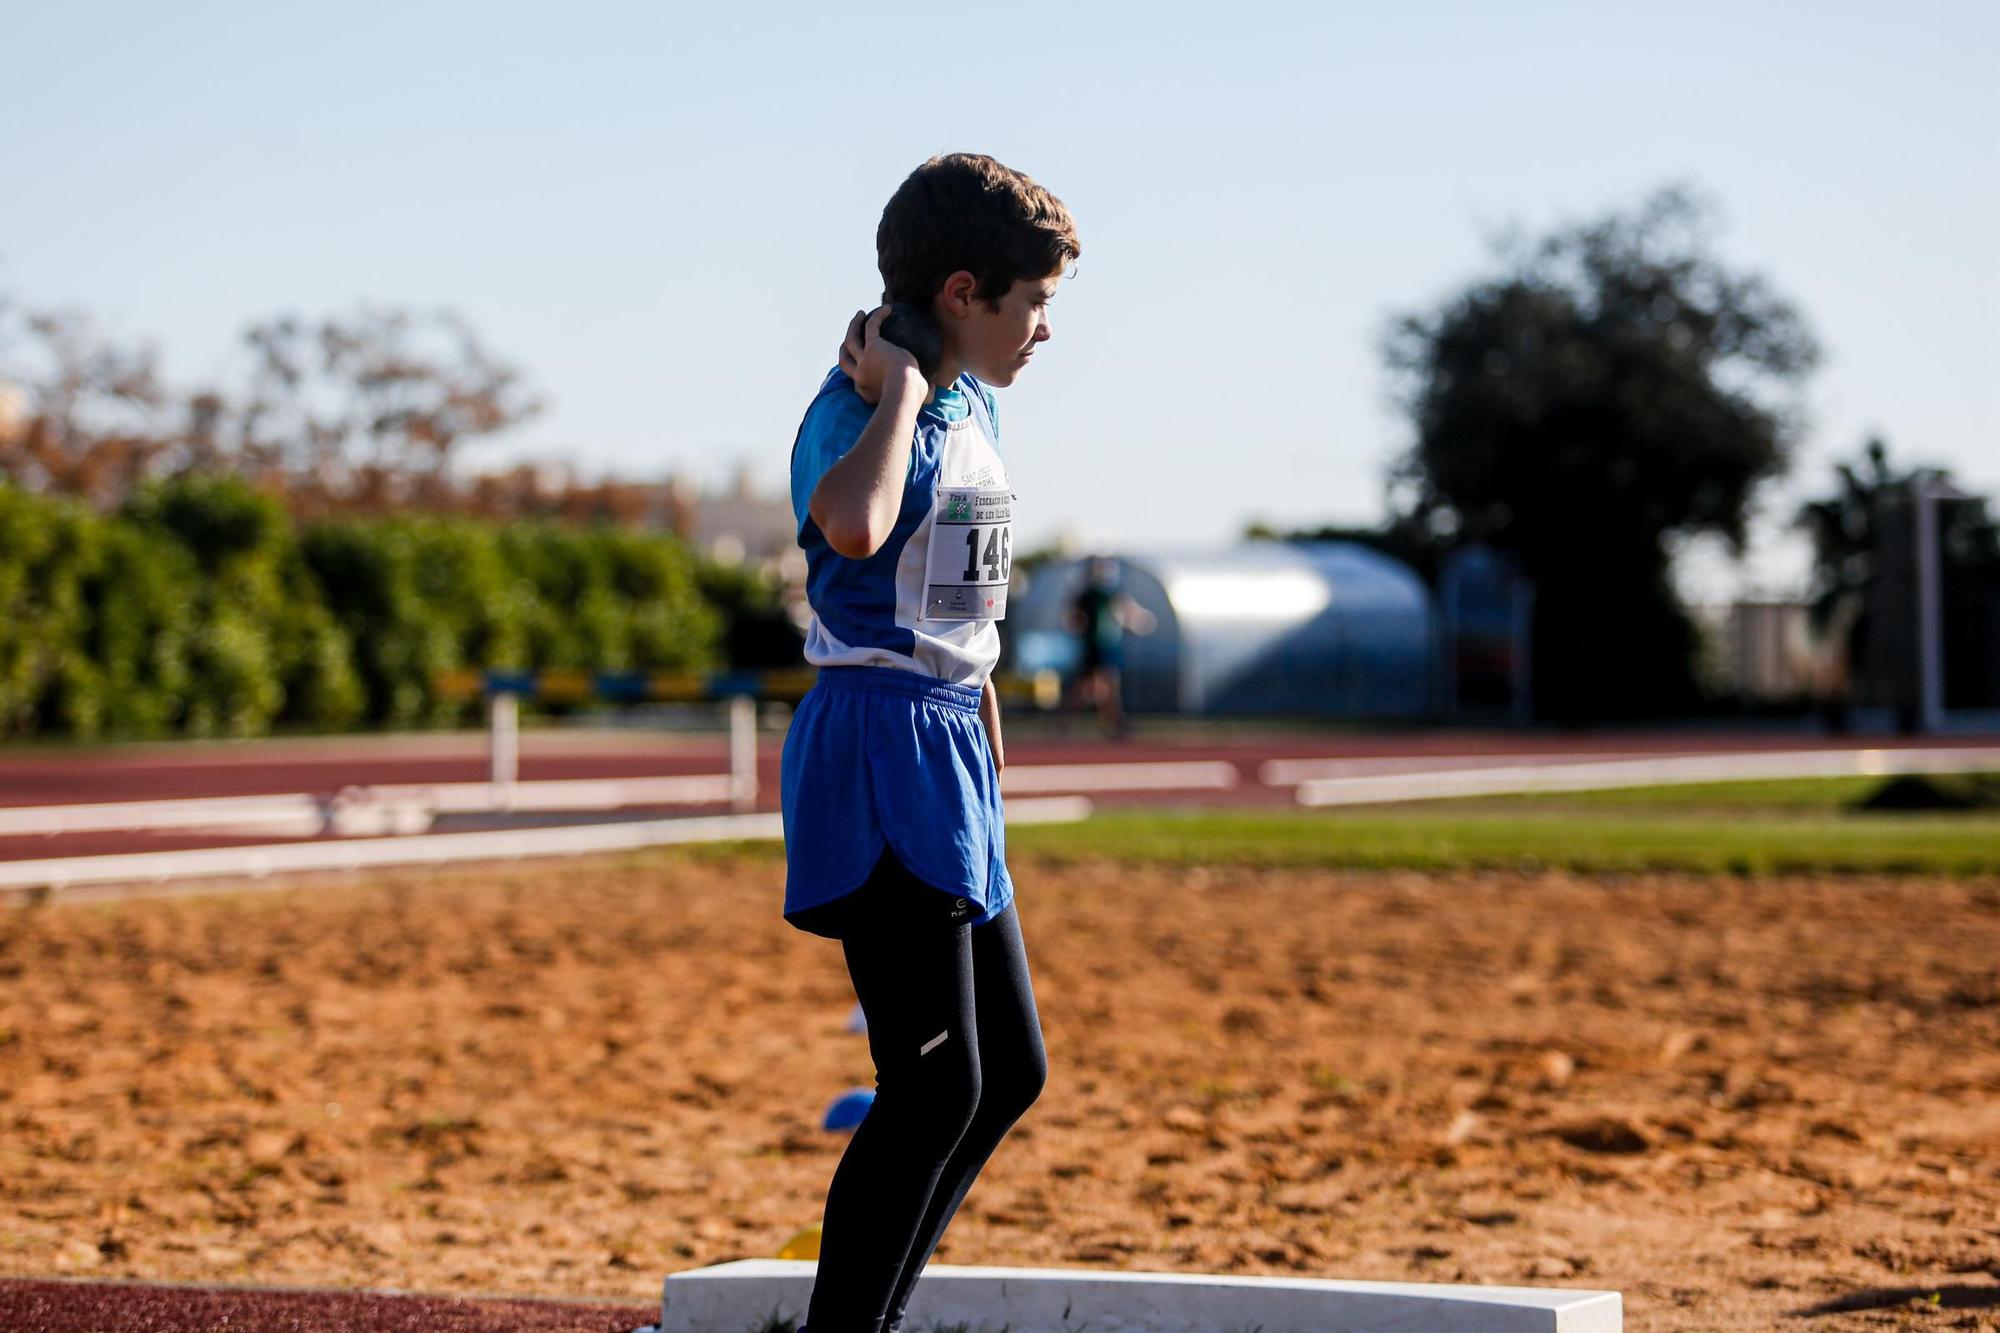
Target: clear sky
pixel 666 213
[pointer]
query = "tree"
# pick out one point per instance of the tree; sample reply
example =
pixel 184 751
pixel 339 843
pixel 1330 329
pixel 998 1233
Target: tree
pixel 1400 538
pixel 360 412
pixel 367 410
pixel 1611 389
pixel 80 415
pixel 1864 583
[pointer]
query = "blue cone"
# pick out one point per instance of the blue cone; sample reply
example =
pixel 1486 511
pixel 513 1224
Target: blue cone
pixel 848 1109
pixel 858 1021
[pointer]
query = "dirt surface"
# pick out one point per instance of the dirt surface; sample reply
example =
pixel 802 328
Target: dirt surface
pixel 1745 1104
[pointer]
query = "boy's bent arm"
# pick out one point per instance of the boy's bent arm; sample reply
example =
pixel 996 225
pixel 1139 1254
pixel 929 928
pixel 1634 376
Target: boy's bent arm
pixel 855 504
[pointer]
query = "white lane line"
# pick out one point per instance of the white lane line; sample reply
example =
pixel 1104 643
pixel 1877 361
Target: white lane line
pixel 1604 775
pixel 284 811
pixel 431 849
pixel 1188 775
pixel 360 810
pixel 564 794
pixel 1291 772
pixel 409 808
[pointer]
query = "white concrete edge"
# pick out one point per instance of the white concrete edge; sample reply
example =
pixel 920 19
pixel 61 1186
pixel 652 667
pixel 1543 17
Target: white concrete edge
pixel 552 794
pixel 211 863
pixel 1550 1298
pixel 1291 772
pixel 706 1298
pixel 373 810
pixel 1049 810
pixel 363 853
pixel 1189 775
pixel 1528 778
pixel 117 816
pixel 299 810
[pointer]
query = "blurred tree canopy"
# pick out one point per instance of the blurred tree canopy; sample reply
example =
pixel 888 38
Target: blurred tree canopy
pixel 1612 388
pixel 200 608
pixel 1864 582
pixel 370 407
pixel 298 551
pixel 359 413
pixel 1843 528
pixel 79 414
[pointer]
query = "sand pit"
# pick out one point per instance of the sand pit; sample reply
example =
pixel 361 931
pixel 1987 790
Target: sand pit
pixel 1747 1104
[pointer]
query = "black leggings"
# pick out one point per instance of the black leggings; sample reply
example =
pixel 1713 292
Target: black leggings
pixel 958 1058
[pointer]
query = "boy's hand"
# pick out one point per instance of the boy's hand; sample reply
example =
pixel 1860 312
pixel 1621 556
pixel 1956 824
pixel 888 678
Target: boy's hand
pixel 870 360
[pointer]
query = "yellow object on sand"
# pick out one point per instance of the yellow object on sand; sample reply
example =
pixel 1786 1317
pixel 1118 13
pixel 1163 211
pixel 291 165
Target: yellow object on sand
pixel 805 1245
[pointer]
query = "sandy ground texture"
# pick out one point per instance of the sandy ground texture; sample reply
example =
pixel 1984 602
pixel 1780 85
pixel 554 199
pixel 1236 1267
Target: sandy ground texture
pixel 1745 1104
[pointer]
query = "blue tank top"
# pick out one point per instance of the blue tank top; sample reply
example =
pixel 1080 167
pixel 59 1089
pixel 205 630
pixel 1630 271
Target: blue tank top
pixel 887 750
pixel 910 606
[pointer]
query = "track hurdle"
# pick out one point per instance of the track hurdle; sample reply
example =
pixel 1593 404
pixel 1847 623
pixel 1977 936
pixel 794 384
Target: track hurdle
pixel 740 691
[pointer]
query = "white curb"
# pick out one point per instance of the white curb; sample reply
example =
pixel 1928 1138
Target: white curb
pixel 206 863
pixel 406 808
pixel 1049 1300
pixel 1516 776
pixel 1178 775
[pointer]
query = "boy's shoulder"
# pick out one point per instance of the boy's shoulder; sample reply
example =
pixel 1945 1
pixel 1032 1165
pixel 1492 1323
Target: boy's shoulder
pixel 837 412
pixel 836 384
pixel 833 422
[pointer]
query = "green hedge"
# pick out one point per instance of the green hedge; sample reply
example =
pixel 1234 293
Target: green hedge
pixel 200 609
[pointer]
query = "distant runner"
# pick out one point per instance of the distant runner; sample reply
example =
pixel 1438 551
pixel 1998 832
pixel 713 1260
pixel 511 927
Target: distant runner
pixel 1100 617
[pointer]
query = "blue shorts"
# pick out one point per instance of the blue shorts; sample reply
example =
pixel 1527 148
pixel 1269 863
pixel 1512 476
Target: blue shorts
pixel 883 758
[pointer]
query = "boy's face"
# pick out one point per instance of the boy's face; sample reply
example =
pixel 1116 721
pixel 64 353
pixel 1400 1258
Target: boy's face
pixel 995 342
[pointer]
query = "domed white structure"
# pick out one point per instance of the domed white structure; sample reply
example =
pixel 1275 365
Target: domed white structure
pixel 1328 628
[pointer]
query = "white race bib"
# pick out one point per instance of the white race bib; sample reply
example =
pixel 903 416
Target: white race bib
pixel 971 553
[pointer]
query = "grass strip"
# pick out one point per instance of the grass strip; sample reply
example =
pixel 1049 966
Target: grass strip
pixel 1802 826
pixel 1876 844
pixel 1802 796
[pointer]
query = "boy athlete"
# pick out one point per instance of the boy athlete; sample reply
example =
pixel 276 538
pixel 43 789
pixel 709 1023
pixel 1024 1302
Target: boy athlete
pixel 891 777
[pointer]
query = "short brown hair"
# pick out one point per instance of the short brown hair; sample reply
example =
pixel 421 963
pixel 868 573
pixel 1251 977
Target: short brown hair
pixel 966 211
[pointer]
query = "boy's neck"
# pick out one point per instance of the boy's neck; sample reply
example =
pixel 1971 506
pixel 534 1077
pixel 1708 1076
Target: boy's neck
pixel 948 372
pixel 946 378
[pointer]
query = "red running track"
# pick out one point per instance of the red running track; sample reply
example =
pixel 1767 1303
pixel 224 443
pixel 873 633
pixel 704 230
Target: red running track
pixel 323 767
pixel 32 1305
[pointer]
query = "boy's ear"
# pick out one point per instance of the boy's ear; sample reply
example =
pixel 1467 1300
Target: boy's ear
pixel 958 293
